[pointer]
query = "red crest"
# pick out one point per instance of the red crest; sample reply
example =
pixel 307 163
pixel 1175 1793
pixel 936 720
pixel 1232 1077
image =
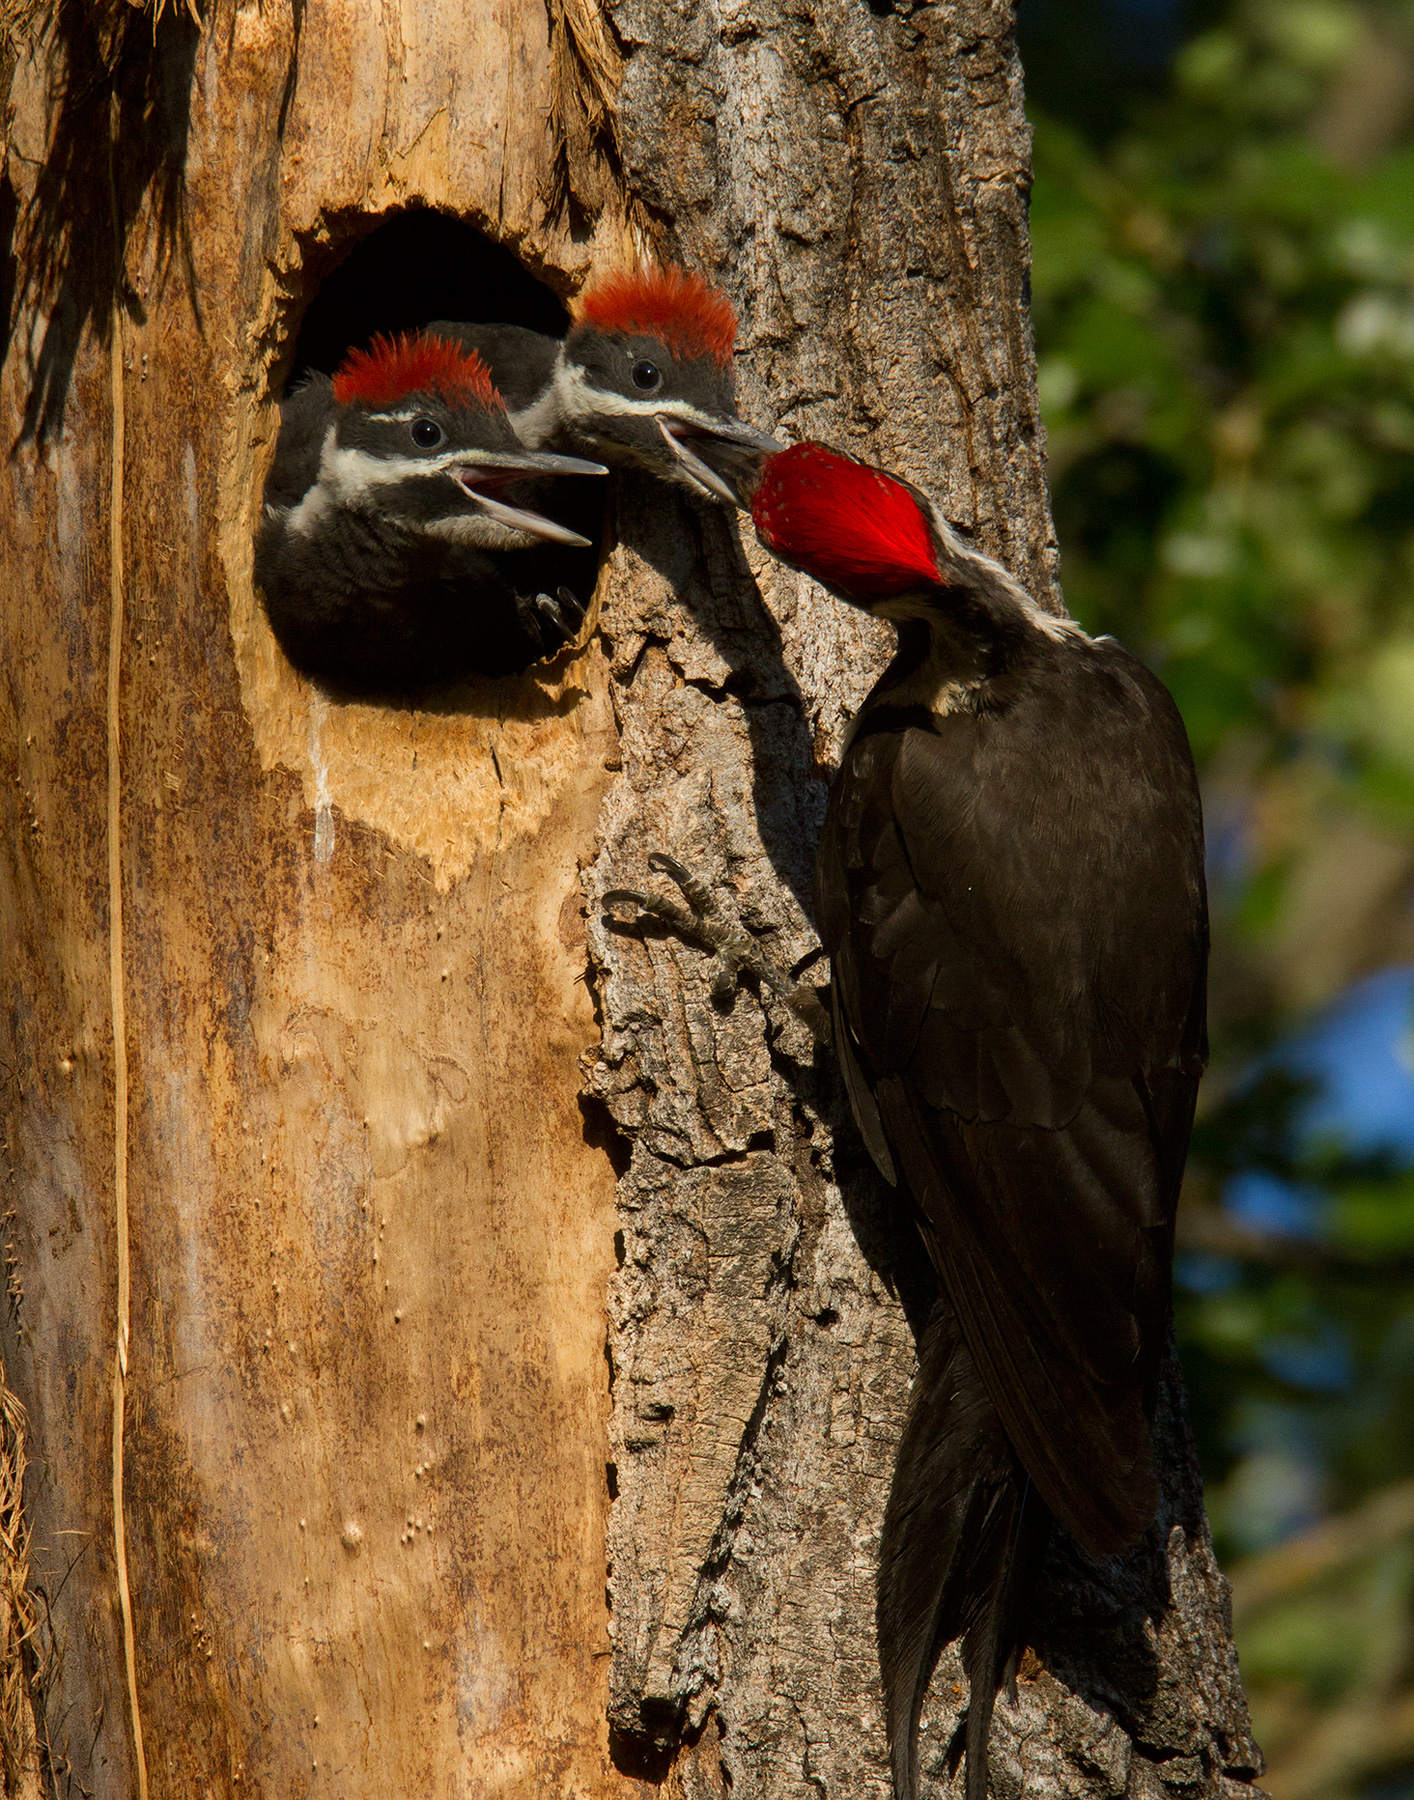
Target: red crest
pixel 689 315
pixel 416 363
pixel 846 523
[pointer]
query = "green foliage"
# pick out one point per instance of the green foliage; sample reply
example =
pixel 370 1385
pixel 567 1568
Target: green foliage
pixel 1223 297
pixel 1225 322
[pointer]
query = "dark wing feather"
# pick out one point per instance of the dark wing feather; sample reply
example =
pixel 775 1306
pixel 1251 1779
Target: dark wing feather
pixel 962 1536
pixel 861 1097
pixel 1013 902
pixel 1061 1296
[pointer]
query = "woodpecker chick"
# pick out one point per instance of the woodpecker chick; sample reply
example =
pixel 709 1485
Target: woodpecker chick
pixel 642 380
pixel 396 548
pixel 1010 887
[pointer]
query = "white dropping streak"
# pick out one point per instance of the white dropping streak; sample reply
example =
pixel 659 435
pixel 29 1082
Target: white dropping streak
pixel 323 805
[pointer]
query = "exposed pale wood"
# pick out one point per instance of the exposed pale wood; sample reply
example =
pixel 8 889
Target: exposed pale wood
pixel 364 1442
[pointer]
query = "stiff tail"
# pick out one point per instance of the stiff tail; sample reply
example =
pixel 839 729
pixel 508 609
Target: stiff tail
pixel 963 1537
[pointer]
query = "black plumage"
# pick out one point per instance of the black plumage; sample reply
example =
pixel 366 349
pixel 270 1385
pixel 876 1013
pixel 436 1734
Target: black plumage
pixel 965 1532
pixel 398 547
pixel 1010 886
pixel 1011 894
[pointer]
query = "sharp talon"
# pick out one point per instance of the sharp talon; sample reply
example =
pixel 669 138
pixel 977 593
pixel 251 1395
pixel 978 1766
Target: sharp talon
pixel 697 894
pixel 655 906
pixel 530 613
pixel 550 609
pixel 733 948
pixel 804 1002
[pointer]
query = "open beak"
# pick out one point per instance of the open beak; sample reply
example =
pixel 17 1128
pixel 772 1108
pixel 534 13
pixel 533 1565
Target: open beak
pixel 738 450
pixel 491 473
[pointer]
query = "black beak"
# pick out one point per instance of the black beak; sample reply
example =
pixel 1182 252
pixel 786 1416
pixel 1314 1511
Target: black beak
pixel 723 458
pixel 492 470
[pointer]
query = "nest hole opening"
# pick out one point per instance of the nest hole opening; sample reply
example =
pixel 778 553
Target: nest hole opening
pixel 433 617
pixel 419 266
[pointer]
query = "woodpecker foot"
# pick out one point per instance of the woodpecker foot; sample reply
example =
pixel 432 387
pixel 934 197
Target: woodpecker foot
pixel 551 621
pixel 734 950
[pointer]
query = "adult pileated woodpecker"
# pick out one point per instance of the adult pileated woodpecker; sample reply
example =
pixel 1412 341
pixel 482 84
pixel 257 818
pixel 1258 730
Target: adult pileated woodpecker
pixel 643 379
pixel 393 548
pixel 1010 887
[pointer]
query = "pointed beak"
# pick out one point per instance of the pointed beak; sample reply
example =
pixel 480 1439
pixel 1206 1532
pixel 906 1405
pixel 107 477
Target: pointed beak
pixel 492 471
pixel 532 462
pixel 738 447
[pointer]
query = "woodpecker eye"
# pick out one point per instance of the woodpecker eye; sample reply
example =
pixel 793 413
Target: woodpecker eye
pixel 646 375
pixel 426 433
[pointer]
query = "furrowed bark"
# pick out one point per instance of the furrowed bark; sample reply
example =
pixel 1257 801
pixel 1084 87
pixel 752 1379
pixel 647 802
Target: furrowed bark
pixel 346 1355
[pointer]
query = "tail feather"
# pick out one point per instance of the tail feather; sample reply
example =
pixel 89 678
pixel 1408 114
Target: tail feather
pixel 962 1538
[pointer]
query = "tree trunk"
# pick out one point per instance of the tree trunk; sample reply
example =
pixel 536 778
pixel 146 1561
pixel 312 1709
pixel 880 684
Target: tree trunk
pixel 313 1139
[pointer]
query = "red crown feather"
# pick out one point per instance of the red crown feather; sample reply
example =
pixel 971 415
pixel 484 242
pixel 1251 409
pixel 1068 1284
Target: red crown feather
pixel 416 363
pixel 690 316
pixel 849 525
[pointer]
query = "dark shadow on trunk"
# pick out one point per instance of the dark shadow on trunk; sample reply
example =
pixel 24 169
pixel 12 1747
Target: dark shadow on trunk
pixel 119 121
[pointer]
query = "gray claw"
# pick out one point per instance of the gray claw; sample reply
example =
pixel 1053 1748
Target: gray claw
pixel 552 610
pixel 555 619
pixel 732 947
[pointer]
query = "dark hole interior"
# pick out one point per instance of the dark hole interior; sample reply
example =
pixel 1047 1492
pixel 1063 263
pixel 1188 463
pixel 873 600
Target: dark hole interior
pixel 419 266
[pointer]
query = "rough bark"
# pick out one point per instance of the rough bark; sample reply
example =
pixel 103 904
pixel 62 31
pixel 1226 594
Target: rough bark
pixel 305 1201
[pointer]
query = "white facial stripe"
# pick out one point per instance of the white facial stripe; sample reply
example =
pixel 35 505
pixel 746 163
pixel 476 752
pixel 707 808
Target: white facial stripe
pixel 898 609
pixel 580 400
pixel 945 681
pixel 949 679
pixel 309 515
pixel 348 473
pixel 928 687
pixel 398 418
pixel 535 424
pixel 962 566
pixel 687 413
pixel 937 685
